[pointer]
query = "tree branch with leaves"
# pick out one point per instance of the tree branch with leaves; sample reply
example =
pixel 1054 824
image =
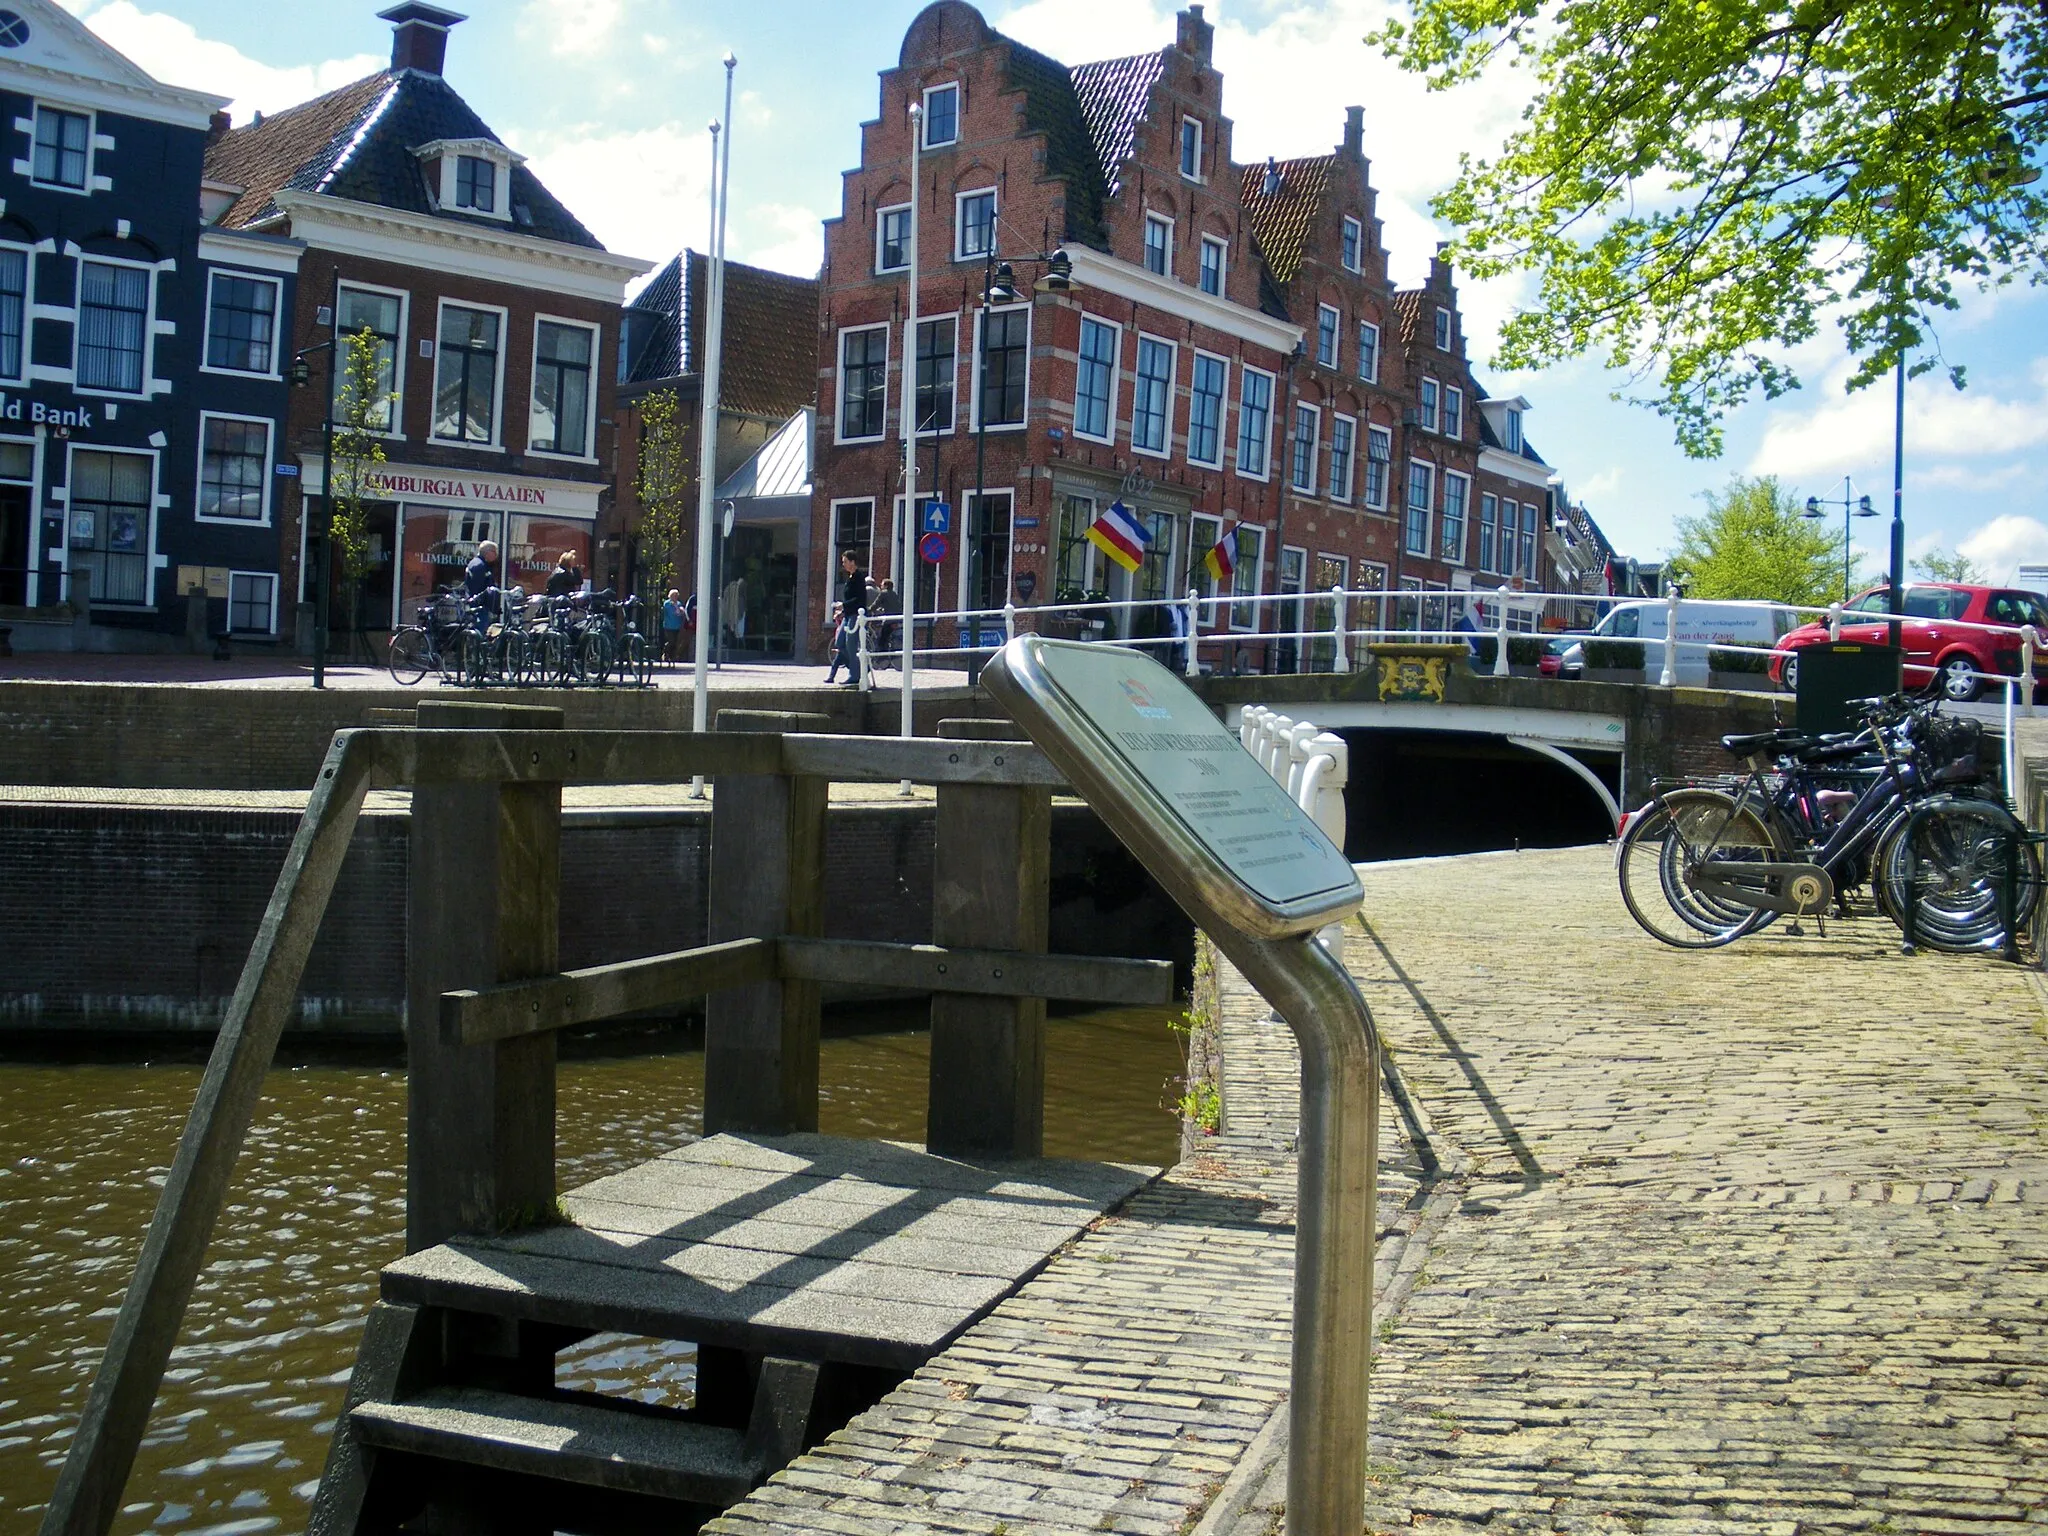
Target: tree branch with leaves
pixel 362 408
pixel 661 482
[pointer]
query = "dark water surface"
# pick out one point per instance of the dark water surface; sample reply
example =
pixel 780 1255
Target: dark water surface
pixel 242 1424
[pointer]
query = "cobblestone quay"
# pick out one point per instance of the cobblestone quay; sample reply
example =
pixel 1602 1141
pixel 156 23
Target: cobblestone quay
pixel 1742 1241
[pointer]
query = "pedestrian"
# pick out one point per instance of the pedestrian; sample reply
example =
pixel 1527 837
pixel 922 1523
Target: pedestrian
pixel 672 625
pixel 890 603
pixel 565 577
pixel 853 605
pixel 480 578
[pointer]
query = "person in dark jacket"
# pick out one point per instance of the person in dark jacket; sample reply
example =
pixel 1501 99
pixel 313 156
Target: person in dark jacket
pixel 565 577
pixel 853 604
pixel 480 578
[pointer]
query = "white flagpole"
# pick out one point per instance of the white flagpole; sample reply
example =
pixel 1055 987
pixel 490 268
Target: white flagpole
pixel 707 431
pixel 906 566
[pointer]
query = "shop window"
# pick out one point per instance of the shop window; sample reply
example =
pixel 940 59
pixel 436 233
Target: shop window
pixel 241 323
pixel 234 468
pixel 561 389
pixel 466 375
pixel 110 523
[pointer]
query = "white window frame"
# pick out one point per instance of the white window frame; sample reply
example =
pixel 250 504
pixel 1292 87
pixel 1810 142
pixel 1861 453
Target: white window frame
pixel 1315 445
pixel 1335 332
pixel 28 309
pixel 26 167
pixel 270 433
pixel 1354 236
pixel 276 584
pixel 1487 521
pixel 1222 409
pixel 590 410
pixel 1165 449
pixel 874 521
pixel 925 119
pixel 398 353
pixel 910 363
pixel 1511 430
pixel 497 442
pixel 1427 397
pixel 1244 616
pixel 1373 352
pixel 995 214
pixel 1365 483
pixel 1222 250
pixel 880 215
pixel 158 505
pixel 839 385
pixel 1408 507
pixel 1116 368
pixel 77 337
pixel 1454 412
pixel 980 327
pixel 1343 492
pixel 278 328
pixel 1448 555
pixel 1158 221
pixel 1445 335
pixel 1245 373
pixel 1189 120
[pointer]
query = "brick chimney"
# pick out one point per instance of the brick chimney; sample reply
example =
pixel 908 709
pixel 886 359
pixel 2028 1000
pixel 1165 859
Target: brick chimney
pixel 1354 132
pixel 1194 36
pixel 419 35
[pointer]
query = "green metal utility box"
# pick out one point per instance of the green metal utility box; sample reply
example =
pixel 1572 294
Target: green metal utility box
pixel 1833 673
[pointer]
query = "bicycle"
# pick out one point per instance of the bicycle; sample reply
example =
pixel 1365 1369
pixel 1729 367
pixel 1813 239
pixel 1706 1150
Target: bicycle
pixel 427 643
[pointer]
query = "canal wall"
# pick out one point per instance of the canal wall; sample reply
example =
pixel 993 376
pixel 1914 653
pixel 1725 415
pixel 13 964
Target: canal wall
pixel 134 920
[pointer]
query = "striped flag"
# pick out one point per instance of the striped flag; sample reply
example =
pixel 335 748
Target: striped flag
pixel 1119 535
pixel 1222 560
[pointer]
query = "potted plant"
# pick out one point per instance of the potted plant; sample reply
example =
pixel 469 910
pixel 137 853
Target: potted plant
pixel 1739 667
pixel 1613 661
pixel 1525 654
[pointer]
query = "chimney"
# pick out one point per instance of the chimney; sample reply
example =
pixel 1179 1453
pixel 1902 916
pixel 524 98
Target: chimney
pixel 1354 132
pixel 217 126
pixel 419 35
pixel 1194 36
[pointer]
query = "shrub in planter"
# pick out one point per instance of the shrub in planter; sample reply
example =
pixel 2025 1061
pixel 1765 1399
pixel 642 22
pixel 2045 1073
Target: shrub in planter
pixel 1612 655
pixel 1523 650
pixel 1738 659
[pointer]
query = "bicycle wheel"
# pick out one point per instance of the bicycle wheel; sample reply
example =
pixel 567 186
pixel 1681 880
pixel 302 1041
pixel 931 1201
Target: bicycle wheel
pixel 1947 865
pixel 596 654
pixel 1682 833
pixel 409 656
pixel 637 666
pixel 475 666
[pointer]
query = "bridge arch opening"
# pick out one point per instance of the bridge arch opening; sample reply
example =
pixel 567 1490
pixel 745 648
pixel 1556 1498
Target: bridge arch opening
pixel 1415 794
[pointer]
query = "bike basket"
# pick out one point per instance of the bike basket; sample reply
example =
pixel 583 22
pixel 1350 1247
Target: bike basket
pixel 1951 748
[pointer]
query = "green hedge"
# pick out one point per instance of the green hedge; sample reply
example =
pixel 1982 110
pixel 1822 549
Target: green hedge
pixel 1738 659
pixel 1614 655
pixel 1523 650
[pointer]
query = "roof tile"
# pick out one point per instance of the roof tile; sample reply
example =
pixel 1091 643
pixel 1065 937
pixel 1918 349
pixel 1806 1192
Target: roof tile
pixel 1283 219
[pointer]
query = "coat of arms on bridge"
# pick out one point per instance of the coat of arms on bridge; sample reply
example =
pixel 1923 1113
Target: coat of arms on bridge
pixel 1414 673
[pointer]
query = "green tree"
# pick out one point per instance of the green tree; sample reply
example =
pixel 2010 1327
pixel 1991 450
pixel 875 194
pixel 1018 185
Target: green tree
pixel 1695 187
pixel 362 406
pixel 662 484
pixel 1942 565
pixel 1754 542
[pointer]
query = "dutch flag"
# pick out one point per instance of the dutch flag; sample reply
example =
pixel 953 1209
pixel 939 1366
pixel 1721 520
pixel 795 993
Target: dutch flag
pixel 1119 535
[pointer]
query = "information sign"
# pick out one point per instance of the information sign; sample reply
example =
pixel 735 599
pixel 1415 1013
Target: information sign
pixel 932 547
pixel 1148 754
pixel 938 517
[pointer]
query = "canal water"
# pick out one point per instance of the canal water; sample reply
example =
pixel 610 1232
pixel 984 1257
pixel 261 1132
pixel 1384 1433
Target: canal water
pixel 242 1425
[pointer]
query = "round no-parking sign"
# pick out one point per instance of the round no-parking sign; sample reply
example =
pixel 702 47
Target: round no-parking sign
pixel 932 547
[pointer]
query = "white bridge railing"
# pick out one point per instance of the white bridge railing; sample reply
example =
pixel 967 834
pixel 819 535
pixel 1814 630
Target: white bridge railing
pixel 1314 767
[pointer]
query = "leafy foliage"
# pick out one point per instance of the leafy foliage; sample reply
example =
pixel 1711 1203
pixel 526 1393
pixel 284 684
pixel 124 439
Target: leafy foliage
pixel 1696 186
pixel 1942 565
pixel 1753 542
pixel 662 484
pixel 361 404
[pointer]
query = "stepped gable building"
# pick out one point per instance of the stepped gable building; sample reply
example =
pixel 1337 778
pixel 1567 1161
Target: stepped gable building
pixel 767 384
pixel 496 314
pixel 141 398
pixel 1230 356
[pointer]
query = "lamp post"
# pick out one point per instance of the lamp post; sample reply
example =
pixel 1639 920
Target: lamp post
pixel 1852 507
pixel 1898 565
pixel 302 375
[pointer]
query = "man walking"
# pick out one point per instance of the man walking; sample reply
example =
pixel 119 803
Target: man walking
pixel 853 604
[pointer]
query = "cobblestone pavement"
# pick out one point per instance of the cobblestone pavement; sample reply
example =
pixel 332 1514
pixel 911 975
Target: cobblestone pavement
pixel 1749 1240
pixel 1121 1389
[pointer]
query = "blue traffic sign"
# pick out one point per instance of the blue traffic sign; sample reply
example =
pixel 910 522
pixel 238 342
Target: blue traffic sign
pixel 934 546
pixel 938 517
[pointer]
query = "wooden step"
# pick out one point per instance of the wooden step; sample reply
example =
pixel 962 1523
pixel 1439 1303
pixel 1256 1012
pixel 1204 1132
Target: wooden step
pixel 575 1442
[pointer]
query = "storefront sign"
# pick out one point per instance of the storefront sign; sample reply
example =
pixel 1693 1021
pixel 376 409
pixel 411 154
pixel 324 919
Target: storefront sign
pixel 465 488
pixel 20 408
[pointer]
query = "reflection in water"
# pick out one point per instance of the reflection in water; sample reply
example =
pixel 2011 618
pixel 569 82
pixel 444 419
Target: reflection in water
pixel 242 1423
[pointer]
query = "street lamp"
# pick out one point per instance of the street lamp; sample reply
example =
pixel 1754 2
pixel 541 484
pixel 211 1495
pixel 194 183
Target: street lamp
pixel 1857 507
pixel 302 375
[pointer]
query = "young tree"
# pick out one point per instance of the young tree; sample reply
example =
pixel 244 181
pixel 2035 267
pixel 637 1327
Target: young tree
pixel 1694 187
pixel 662 484
pixel 362 404
pixel 1941 565
pixel 1754 542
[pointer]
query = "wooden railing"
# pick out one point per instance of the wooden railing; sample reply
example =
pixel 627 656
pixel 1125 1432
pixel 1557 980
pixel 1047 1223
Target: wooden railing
pixel 485 993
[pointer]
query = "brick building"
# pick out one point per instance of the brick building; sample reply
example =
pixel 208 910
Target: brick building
pixel 1230 356
pixel 496 315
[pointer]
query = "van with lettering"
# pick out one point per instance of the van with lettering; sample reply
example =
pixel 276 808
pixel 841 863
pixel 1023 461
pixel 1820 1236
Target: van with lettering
pixel 1701 624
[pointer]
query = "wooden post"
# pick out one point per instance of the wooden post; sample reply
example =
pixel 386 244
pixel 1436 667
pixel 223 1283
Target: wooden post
pixel 485 907
pixel 992 853
pixel 767 879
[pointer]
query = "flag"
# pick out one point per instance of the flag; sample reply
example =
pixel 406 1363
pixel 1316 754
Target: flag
pixel 1119 535
pixel 1221 560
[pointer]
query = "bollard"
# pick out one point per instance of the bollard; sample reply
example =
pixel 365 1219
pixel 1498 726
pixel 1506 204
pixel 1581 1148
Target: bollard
pixel 1009 622
pixel 1669 678
pixel 1338 630
pixel 1500 637
pixel 867 660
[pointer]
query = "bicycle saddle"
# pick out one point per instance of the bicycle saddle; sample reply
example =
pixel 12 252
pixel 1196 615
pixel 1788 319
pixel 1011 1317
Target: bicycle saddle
pixel 1748 745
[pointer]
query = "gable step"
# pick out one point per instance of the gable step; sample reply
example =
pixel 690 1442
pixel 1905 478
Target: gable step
pixel 567 1441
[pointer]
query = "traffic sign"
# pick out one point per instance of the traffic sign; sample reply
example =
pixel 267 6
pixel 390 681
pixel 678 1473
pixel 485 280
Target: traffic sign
pixel 933 547
pixel 938 517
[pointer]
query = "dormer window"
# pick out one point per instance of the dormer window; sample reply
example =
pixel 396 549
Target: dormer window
pixel 1511 430
pixel 476 184
pixel 941 116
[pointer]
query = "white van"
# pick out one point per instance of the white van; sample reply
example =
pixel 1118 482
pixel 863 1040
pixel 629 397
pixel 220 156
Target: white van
pixel 1700 624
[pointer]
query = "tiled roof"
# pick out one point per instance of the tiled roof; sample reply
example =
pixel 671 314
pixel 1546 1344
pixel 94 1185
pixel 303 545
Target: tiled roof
pixel 1408 310
pixel 357 143
pixel 769 367
pixel 780 467
pixel 1282 220
pixel 1113 95
pixel 1053 106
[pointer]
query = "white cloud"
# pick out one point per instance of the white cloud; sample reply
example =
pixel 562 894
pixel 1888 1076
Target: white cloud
pixel 644 193
pixel 2005 543
pixel 1073 31
pixel 1597 486
pixel 779 236
pixel 174 52
pixel 584 31
pixel 1851 433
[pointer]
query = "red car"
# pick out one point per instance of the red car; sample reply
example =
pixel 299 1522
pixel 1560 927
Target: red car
pixel 1937 644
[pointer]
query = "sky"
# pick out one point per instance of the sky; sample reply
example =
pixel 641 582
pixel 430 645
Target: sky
pixel 610 100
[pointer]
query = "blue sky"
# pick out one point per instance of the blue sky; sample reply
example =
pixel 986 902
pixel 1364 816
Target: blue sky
pixel 610 100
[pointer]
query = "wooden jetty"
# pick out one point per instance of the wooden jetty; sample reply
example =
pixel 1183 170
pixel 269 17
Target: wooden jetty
pixel 813 1273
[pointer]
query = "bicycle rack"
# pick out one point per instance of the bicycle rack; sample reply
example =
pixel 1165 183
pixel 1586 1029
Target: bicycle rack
pixel 2008 885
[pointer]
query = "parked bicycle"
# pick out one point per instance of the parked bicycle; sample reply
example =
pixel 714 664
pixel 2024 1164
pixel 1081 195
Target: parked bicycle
pixel 506 637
